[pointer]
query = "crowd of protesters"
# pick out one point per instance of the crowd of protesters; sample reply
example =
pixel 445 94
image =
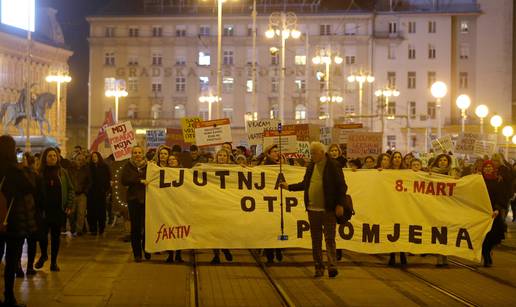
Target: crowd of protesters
pixel 49 193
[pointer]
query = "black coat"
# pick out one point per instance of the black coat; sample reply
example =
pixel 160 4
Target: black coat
pixel 100 177
pixel 496 189
pixel 131 178
pixel 334 185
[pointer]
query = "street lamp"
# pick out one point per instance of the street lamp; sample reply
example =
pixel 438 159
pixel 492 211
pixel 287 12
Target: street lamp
pixel 481 111
pixel 116 89
pixel 438 90
pixel 209 99
pixel 496 121
pixel 385 93
pixel 360 78
pixel 282 25
pixel 58 79
pixel 507 131
pixel 326 58
pixel 463 102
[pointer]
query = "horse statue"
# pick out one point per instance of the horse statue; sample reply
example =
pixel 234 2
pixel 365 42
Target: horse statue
pixel 13 113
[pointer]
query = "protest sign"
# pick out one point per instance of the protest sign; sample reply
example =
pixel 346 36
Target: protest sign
pixel 361 144
pixel 484 148
pixel 341 131
pixel 188 126
pixel 288 140
pixel 122 139
pixel 213 132
pixel 466 143
pixel 236 207
pixel 304 132
pixel 255 129
pixel 325 135
pixel 442 145
pixel 156 137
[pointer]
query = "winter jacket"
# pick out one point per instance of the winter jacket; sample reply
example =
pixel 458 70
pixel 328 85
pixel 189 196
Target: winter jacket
pixel 131 178
pixel 67 192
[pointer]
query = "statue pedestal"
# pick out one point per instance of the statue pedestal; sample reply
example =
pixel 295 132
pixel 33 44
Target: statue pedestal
pixel 37 143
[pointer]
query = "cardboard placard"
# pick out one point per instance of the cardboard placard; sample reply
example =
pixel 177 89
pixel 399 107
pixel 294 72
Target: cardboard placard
pixel 466 143
pixel 213 132
pixel 326 135
pixel 122 139
pixel 304 132
pixel 156 137
pixel 188 126
pixel 361 144
pixel 256 128
pixel 288 140
pixel 483 148
pixel 442 145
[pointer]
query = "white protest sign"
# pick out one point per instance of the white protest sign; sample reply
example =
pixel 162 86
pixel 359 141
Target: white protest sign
pixel 213 132
pixel 288 140
pixel 341 131
pixel 361 144
pixel 326 135
pixel 256 128
pixel 156 137
pixel 122 139
pixel 466 143
pixel 443 144
pixel 483 148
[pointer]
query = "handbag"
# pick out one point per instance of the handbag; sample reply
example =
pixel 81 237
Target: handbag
pixel 348 211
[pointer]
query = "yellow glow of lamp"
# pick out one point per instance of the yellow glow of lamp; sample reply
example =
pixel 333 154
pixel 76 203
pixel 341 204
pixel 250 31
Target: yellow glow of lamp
pixel 439 89
pixel 496 121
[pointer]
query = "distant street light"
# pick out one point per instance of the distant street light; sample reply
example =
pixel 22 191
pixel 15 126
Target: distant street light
pixel 58 79
pixel 361 78
pixel 385 93
pixel 496 121
pixel 117 89
pixel 438 90
pixel 481 111
pixel 326 58
pixel 210 99
pixel 463 102
pixel 507 131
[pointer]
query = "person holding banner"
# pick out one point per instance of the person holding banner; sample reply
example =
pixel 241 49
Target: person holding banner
pixel 335 152
pixel 495 188
pixel 134 178
pixel 369 162
pixel 222 157
pixel 396 162
pixel 325 190
pixel 383 161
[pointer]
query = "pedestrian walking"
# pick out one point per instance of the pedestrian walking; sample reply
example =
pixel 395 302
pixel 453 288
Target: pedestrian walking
pixel 97 194
pixel 81 178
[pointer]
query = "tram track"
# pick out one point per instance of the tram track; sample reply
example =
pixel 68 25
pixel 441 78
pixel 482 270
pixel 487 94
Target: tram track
pixel 194 281
pixel 484 274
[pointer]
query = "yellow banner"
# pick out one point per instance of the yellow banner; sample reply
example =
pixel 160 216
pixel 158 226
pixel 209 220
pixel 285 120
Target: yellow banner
pixel 224 206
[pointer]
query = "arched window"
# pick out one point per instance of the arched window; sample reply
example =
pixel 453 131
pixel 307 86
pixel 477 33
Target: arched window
pixel 179 111
pixel 274 111
pixel 300 112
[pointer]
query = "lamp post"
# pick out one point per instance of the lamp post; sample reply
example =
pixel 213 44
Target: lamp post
pixel 360 78
pixel 385 93
pixel 58 79
pixel 507 131
pixel 117 91
pixel 438 90
pixel 481 111
pixel 327 59
pixel 496 121
pixel 463 102
pixel 210 99
pixel 282 25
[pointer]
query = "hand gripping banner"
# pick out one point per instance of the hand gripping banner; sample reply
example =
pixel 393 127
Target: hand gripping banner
pixel 226 206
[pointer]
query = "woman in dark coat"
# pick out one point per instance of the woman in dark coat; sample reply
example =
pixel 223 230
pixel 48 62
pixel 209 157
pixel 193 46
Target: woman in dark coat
pixel 100 185
pixel 55 198
pixel 133 177
pixel 18 191
pixel 495 188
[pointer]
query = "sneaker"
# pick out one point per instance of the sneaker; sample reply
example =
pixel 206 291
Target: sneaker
pixel 392 260
pixel 170 258
pixel 279 255
pixel 332 273
pixel 41 261
pixel 403 259
pixel 339 254
pixel 54 267
pixel 215 260
pixel 178 258
pixel 227 255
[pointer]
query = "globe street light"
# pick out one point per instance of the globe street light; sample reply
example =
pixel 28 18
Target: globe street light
pixel 481 111
pixel 115 88
pixel 507 131
pixel 463 102
pixel 438 90
pixel 326 58
pixel 58 79
pixel 361 78
pixel 210 99
pixel 385 93
pixel 282 25
pixel 496 121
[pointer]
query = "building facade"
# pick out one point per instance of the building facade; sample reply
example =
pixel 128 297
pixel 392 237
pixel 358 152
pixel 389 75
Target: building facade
pixel 20 64
pixel 166 51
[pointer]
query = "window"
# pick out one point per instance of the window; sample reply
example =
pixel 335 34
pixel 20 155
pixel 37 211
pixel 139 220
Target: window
pixel 391 141
pixel 133 60
pixel 132 84
pixel 110 32
pixel 133 32
pixel 109 58
pixel 351 29
pixel 204 114
pixel 412 109
pixel 250 30
pixel 350 59
pixel 300 85
pixel 464 27
pixel 229 30
pixel 180 30
pixel 179 111
pixel 227 84
pixel 463 80
pixel 204 84
pixel 180 60
pixel 300 112
pixel 431 26
pixel 155 111
pixel 180 84
pixel 324 29
pixel 275 58
pixel 300 59
pixel 349 109
pixel 204 58
pixel 228 113
pixel 156 85
pixel 228 57
pixel 157 31
pixel 393 27
pixel 391 108
pixel 431 51
pixel 431 78
pixel 411 82
pixel 391 52
pixel 274 84
pixel 204 30
pixel 430 109
pixel 249 86
pixel 274 111
pixel 411 27
pixel 132 111
pixel 156 58
pixel 464 51
pixel 391 79
pixel 411 52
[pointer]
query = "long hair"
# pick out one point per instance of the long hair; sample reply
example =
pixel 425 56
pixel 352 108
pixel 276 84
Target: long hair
pixel 7 151
pixel 380 158
pixel 43 164
pixel 402 163
pixel 99 156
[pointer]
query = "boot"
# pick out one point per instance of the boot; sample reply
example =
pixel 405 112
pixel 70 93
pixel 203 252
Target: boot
pixel 170 258
pixel 54 267
pixel 392 259
pixel 227 255
pixel 403 259
pixel 279 254
pixel 339 254
pixel 41 261
pixel 215 260
pixel 179 259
